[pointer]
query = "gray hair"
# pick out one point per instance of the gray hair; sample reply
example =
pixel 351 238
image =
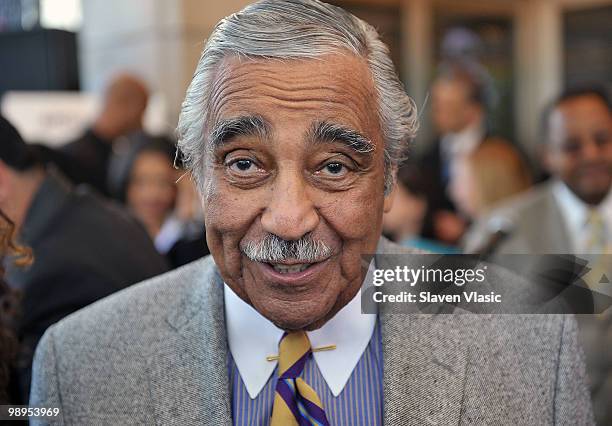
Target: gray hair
pixel 297 29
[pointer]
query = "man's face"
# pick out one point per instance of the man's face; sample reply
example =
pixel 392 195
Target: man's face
pixel 288 159
pixel 579 149
pixel 452 110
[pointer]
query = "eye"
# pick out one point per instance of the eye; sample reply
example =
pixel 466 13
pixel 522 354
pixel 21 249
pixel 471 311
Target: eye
pixel 334 169
pixel 242 166
pixel 602 139
pixel 571 146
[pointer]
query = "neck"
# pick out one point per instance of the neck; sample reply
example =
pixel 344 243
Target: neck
pixel 109 127
pixel 472 126
pixel 153 226
pixel 593 201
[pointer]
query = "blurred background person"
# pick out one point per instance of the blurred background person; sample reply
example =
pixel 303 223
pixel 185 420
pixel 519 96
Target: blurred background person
pixel 458 107
pixel 487 176
pixel 404 222
pixel 572 213
pixel 9 309
pixel 405 219
pixel 84 247
pixel 86 159
pixel 459 102
pixel 188 210
pixel 145 180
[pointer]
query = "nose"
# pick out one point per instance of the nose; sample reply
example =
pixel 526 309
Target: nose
pixel 590 150
pixel 290 213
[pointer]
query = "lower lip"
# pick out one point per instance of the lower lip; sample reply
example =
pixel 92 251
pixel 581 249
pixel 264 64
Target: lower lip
pixel 292 278
pixel 594 170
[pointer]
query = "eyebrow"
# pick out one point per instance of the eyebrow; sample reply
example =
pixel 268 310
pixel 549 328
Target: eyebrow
pixel 324 131
pixel 246 125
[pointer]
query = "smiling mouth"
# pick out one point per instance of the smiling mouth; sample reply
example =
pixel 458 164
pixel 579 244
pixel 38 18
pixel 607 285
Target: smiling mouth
pixel 289 274
pixel 290 269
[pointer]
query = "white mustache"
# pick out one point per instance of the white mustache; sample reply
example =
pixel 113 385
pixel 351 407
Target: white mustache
pixel 275 249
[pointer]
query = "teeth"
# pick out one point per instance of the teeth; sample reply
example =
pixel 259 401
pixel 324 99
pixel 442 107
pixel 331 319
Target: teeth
pixel 286 269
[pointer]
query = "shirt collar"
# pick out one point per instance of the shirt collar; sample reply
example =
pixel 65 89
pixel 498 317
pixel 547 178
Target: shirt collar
pixel 464 141
pixel 575 211
pixel 252 337
pixel 170 232
pixel 605 207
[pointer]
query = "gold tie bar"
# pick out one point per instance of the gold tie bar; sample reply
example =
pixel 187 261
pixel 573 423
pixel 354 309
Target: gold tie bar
pixel 319 349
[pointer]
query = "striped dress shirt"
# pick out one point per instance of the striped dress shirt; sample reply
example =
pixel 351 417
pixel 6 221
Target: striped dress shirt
pixel 359 403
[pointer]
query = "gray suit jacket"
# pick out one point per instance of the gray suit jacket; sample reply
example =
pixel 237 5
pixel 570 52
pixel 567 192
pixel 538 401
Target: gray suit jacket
pixel 157 353
pixel 538 225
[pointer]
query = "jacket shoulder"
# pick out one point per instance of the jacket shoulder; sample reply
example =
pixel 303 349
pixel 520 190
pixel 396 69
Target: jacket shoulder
pixel 518 212
pixel 528 201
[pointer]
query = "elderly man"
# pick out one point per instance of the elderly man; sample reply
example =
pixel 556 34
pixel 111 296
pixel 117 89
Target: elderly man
pixel 294 125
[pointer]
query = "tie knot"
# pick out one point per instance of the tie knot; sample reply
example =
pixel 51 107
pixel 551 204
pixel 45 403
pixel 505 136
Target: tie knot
pixel 293 351
pixel 595 232
pixel 595 219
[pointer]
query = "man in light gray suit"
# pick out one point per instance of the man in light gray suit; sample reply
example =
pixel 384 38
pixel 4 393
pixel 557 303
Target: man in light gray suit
pixel 293 127
pixel 572 213
pixel 558 216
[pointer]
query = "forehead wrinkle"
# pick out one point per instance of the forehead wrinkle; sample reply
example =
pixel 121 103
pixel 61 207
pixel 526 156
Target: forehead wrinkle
pixel 244 73
pixel 289 93
pixel 314 100
pixel 241 86
pixel 265 68
pixel 222 93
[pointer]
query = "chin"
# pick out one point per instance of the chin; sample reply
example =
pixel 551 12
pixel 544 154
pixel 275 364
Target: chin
pixel 291 325
pixel 299 315
pixel 594 194
pixel 292 320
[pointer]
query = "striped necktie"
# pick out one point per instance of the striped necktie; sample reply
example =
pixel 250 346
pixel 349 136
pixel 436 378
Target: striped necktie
pixel 295 402
pixel 596 251
pixel 596 230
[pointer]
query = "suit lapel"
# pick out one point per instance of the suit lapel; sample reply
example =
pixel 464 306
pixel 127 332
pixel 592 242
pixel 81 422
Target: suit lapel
pixel 188 376
pixel 425 360
pixel 556 228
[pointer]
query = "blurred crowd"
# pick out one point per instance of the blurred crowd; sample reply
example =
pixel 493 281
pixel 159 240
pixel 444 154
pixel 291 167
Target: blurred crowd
pixel 114 207
pixel 102 212
pixel 473 191
pixel 476 193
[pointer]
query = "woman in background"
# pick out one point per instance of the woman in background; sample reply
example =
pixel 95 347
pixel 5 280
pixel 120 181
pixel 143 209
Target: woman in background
pixel 145 180
pixel 8 311
pixel 492 173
